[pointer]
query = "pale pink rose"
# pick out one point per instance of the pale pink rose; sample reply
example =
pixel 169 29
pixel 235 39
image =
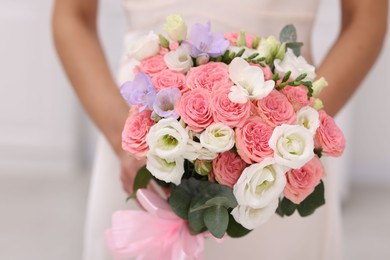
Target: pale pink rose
pixel 268 75
pixel 297 96
pixel 329 136
pixel 252 140
pixel 275 109
pixel 208 76
pixel 169 79
pixel 195 109
pixel 153 65
pixel 302 182
pixel 173 45
pixel 227 168
pixel 233 36
pixel 163 50
pixel 136 128
pixel 224 110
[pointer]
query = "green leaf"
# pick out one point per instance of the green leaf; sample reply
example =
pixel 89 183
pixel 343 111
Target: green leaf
pixel 216 201
pixel 180 201
pixel 235 229
pixel 163 41
pixel 286 76
pixel 288 34
pixel 141 180
pixel 288 206
pixel 240 53
pixel 216 220
pixel 256 42
pixel 293 45
pixel 301 77
pixel 313 201
pixel 241 39
pixel 196 222
pixel 318 151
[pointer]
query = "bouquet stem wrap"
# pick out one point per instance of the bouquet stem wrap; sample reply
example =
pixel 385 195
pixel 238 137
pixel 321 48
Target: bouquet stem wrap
pixel 157 233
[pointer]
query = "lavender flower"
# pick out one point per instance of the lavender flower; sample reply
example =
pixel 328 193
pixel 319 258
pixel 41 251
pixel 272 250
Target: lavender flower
pixel 140 91
pixel 205 42
pixel 164 104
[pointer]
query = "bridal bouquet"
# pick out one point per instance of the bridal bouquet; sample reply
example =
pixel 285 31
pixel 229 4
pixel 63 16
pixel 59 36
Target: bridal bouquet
pixel 232 126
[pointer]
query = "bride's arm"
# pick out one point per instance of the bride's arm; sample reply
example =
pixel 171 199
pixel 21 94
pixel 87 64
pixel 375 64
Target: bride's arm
pixel 78 45
pixel 364 24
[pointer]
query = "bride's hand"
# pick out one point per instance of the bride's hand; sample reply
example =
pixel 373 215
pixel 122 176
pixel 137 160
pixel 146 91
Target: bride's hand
pixel 129 169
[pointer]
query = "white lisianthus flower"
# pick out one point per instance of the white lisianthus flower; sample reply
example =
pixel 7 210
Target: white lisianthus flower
pixel 165 170
pixel 260 184
pixel 218 138
pixel 144 47
pixel 309 118
pixel 176 28
pixel 251 218
pixel 292 144
pixel 180 59
pixel 195 150
pixel 249 82
pixel 297 66
pixel 248 51
pixel 167 139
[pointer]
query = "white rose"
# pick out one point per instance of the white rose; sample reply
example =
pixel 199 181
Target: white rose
pixel 297 66
pixel 144 47
pixel 165 170
pixel 218 138
pixel 292 144
pixel 176 28
pixel 180 59
pixel 268 47
pixel 249 82
pixel 309 118
pixel 195 150
pixel 167 139
pixel 260 184
pixel 251 218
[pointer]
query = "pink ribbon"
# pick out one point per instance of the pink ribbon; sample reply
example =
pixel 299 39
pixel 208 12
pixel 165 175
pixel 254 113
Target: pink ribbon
pixel 157 233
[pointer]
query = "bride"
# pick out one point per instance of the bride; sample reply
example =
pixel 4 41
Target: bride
pixel 348 61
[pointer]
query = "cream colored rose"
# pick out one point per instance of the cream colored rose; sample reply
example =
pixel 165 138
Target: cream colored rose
pixel 176 28
pixel 292 144
pixel 146 46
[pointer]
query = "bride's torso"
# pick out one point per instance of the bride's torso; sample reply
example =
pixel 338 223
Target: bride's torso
pixel 260 17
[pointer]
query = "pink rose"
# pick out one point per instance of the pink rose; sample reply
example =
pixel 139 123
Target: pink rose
pixel 195 109
pixel 227 168
pixel 233 36
pixel 163 50
pixel 301 182
pixel 169 79
pixel 136 128
pixel 153 65
pixel 173 45
pixel 225 111
pixel 275 109
pixel 329 137
pixel 208 76
pixel 252 140
pixel 297 96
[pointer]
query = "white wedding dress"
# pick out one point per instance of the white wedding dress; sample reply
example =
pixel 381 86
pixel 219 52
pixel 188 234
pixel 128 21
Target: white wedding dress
pixel 291 238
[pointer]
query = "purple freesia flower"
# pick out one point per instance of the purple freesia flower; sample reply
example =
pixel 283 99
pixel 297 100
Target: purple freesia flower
pixel 205 42
pixel 140 91
pixel 164 104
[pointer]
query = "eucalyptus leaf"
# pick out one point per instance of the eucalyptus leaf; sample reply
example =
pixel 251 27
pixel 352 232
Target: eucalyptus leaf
pixel 180 200
pixel 216 219
pixel 313 201
pixel 141 180
pixel 288 34
pixel 235 229
pixel 196 222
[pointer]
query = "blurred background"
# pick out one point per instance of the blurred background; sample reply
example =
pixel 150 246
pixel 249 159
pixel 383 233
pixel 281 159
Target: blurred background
pixel 47 142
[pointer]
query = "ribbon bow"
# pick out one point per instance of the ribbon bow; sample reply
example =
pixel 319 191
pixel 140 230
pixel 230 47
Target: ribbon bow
pixel 157 233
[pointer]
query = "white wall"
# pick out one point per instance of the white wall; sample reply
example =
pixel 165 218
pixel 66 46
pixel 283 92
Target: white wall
pixel 37 109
